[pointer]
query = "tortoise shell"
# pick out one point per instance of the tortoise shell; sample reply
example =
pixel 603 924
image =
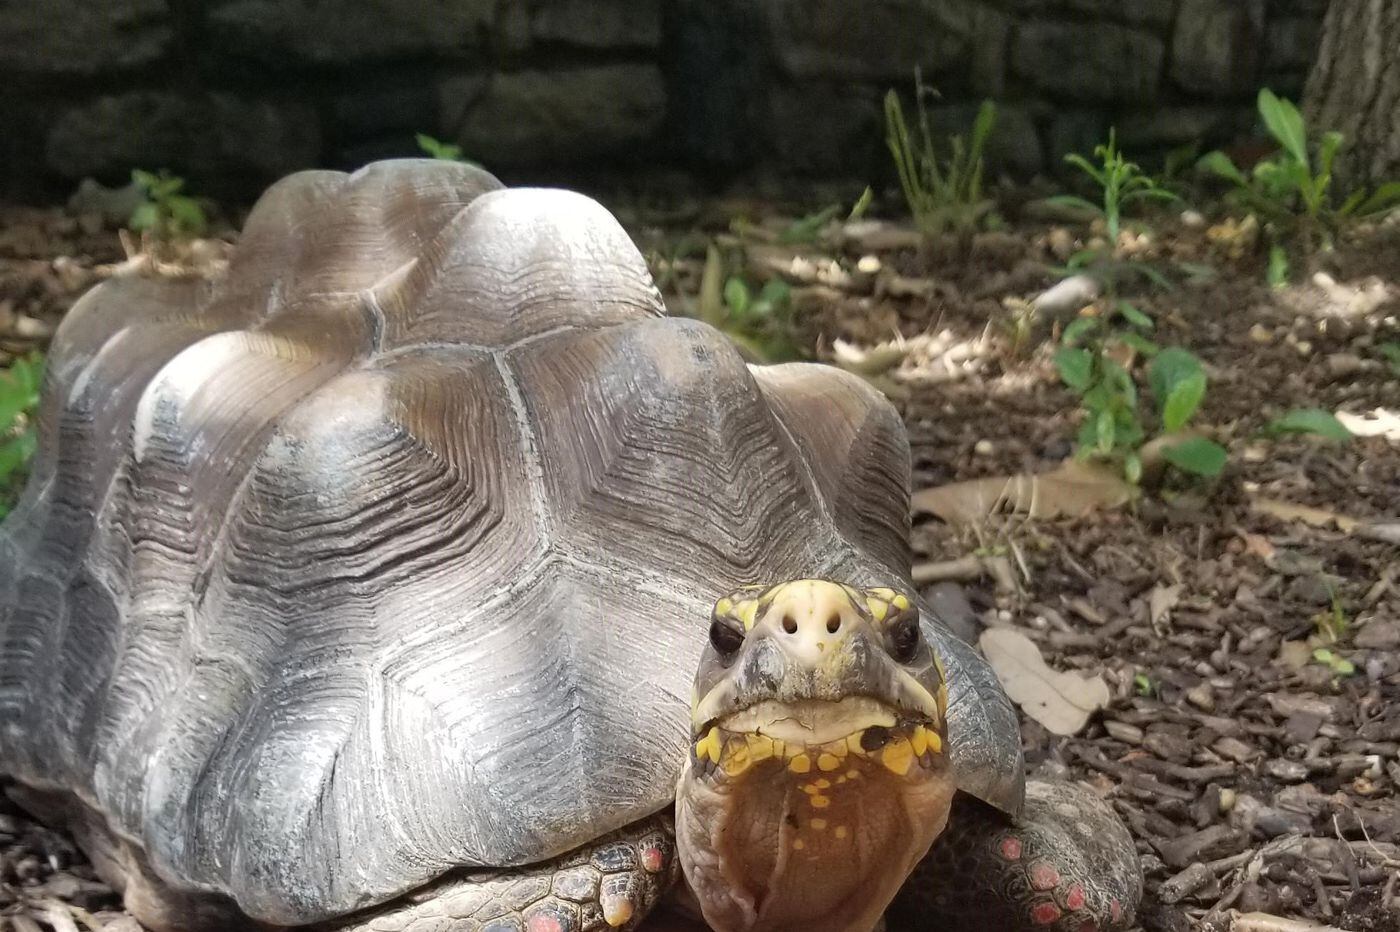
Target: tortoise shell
pixel 392 549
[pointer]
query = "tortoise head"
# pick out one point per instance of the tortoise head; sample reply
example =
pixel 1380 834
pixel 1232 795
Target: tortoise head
pixel 817 776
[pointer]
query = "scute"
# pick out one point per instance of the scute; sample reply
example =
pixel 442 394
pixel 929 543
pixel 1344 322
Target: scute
pixel 391 551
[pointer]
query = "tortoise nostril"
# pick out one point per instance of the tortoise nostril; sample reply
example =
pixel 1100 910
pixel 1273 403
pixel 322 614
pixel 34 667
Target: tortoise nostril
pixel 833 624
pixel 789 624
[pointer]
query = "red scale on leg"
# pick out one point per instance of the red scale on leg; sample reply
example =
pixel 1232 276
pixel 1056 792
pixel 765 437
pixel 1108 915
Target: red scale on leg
pixel 1044 876
pixel 1043 914
pixel 1074 897
pixel 653 860
pixel 1010 848
pixel 1088 925
pixel 543 922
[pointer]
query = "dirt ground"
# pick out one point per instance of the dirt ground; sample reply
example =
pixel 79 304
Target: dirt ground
pixel 1260 783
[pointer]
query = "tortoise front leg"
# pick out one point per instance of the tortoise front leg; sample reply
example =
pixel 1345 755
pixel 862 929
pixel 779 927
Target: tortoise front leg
pixel 1067 865
pixel 609 884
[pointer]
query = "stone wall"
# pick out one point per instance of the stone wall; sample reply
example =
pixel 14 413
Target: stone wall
pixel 234 92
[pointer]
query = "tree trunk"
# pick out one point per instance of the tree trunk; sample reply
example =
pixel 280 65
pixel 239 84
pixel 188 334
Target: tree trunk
pixel 1354 88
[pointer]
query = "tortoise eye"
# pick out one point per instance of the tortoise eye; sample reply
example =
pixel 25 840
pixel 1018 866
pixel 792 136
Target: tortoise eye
pixel 904 636
pixel 725 637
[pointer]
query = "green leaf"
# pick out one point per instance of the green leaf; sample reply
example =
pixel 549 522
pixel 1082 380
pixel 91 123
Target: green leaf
pixel 1197 456
pixel 1104 428
pixel 1171 367
pixel 1285 123
pixel 1076 367
pixel 1219 163
pixel 144 217
pixel 1182 401
pixel 861 205
pixel 1134 316
pixel 775 293
pixel 805 229
pixel 1140 343
pixel 1132 468
pixel 1277 273
pixel 15 453
pixel 736 296
pixel 711 298
pixel 1078 203
pixel 1314 421
pixel 1077 328
pixel 1384 198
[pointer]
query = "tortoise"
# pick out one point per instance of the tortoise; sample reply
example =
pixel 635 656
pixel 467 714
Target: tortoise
pixel 364 586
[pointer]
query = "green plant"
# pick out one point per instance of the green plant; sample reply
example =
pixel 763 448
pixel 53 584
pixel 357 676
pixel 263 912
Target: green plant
pixel 808 229
pixel 1143 685
pixel 1291 190
pixel 1313 421
pixel 166 213
pixel 1333 624
pixel 1113 428
pixel 19 399
pixel 944 194
pixel 1120 182
pixel 444 151
pixel 1391 352
pixel 1340 665
pixel 758 321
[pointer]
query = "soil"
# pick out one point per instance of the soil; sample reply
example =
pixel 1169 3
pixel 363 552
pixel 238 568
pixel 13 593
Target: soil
pixel 1256 778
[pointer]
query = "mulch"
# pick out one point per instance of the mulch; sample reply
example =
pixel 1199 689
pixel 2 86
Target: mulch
pixel 1255 779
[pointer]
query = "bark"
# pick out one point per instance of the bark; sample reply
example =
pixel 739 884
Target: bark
pixel 1354 88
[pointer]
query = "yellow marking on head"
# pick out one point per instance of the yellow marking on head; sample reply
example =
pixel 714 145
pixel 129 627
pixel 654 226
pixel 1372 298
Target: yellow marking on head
pixel 841 831
pixel 897 757
pixel 811 789
pixel 819 824
pixel 760 747
pixel 798 844
pixel 828 762
pixel 736 758
pixel 724 606
pixel 878 608
pixel 853 774
pixel 746 613
pixel 820 802
pixel 780 748
pixel 935 743
pixel 822 783
pixel 708 746
pixel 840 780
pixel 942 700
pixel 919 741
pixel 853 745
pixel 900 602
pixel 882 592
pixel 800 764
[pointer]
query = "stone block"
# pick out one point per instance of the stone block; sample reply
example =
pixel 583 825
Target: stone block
pixel 208 138
pixel 1096 61
pixel 1137 12
pixel 81 37
pixel 1216 47
pixel 1014 146
pixel 598 24
pixel 1168 127
pixel 327 32
pixel 877 40
pixel 1292 43
pixel 555 117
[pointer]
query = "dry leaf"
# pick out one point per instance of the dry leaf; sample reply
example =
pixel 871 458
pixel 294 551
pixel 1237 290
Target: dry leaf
pixel 1073 489
pixel 1062 702
pixel 1317 517
pixel 1263 922
pixel 1294 654
pixel 1377 423
pixel 1259 545
pixel 1161 602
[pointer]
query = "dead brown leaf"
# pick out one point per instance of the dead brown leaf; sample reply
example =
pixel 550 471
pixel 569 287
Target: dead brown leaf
pixel 1073 489
pixel 1062 702
pixel 1317 517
